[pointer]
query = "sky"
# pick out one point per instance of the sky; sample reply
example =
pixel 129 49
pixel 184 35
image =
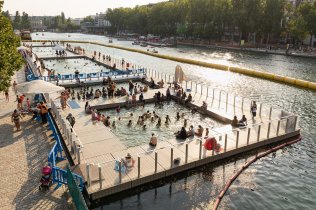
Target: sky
pixel 71 8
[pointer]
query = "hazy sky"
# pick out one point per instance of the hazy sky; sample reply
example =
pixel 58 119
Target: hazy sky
pixel 71 8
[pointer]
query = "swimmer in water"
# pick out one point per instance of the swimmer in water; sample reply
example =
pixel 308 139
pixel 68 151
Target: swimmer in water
pixel 129 123
pixel 159 122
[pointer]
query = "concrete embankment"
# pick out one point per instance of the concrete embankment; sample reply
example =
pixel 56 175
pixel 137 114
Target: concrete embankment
pixel 249 72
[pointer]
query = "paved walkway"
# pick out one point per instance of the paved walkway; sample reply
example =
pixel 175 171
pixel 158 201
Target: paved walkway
pixel 22 156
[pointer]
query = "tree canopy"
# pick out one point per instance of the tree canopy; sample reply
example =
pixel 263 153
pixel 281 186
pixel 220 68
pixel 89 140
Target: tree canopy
pixel 11 59
pixel 212 19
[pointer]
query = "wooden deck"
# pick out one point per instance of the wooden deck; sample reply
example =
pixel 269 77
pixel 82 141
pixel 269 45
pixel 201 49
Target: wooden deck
pixel 100 148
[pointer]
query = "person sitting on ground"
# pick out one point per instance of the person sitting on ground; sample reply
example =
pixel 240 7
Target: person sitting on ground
pixel 71 119
pixel 141 98
pixel 94 115
pixel 129 123
pixel 234 122
pixel 152 83
pixel 152 119
pixel 97 94
pixel 199 131
pixel 182 134
pixel 145 88
pixel 191 131
pixel 243 121
pixel 204 106
pixel 189 99
pixel 153 140
pixel 144 127
pixel 161 83
pixel 128 162
pixel 103 118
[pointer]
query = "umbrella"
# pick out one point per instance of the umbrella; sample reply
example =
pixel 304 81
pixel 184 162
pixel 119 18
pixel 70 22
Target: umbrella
pixel 38 86
pixel 58 47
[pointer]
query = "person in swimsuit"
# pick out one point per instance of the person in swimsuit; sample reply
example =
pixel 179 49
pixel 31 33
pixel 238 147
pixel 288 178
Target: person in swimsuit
pixel 16 119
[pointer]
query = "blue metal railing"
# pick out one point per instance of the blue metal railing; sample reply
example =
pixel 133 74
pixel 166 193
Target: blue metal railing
pixel 59 175
pixel 86 76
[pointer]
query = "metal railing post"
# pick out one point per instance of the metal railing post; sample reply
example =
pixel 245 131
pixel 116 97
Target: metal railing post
pixel 156 161
pixel 286 125
pixel 259 128
pixel 269 126
pixel 138 166
pixel 120 171
pixel 78 154
pixel 213 94
pixel 295 122
pixel 200 150
pixel 242 105
pixel 207 92
pixel 220 98
pixel 88 174
pixel 260 110
pixel 201 89
pixel 100 176
pixel 171 157
pixel 196 87
pixel 225 147
pixel 191 85
pixel 278 128
pixel 270 113
pixel 186 152
pixel 226 101
pixel 74 148
pixel 237 139
pixel 186 85
pixel 248 135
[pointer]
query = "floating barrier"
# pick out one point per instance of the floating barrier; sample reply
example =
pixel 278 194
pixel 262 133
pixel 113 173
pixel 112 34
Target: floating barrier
pixel 246 165
pixel 249 72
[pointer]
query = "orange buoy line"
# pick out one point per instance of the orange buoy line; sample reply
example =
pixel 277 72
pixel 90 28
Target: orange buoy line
pixel 249 72
pixel 246 165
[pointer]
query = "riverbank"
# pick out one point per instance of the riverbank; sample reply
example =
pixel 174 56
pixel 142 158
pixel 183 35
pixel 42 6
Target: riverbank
pixel 23 154
pixel 257 50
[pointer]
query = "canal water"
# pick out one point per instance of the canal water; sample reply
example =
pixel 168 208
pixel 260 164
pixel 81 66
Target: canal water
pixel 282 180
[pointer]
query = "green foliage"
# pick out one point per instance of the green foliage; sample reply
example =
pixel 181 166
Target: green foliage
pixel 214 18
pixel 11 59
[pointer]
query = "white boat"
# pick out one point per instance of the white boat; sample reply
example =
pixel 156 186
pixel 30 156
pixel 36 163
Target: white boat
pixel 136 43
pixel 143 44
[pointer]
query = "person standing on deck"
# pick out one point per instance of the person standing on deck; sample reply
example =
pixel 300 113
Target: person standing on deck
pixel 253 109
pixel 16 119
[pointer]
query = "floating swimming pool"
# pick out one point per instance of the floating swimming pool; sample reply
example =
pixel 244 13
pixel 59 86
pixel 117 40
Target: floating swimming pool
pixel 135 135
pixel 69 66
pixel 47 52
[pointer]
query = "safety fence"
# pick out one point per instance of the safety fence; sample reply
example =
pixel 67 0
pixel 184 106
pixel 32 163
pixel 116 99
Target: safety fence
pixel 94 76
pixel 190 151
pixel 56 154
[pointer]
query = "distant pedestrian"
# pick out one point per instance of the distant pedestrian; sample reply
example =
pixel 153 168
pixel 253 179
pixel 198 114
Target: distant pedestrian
pixel 6 93
pixel 14 86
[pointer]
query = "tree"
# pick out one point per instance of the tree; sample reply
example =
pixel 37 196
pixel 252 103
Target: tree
pixel 11 59
pixel 63 18
pixel 17 20
pixel 25 22
pixel 87 19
